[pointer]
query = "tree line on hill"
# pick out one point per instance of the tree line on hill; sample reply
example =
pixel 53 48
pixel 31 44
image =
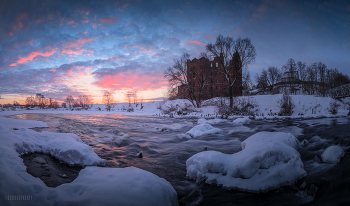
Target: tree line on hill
pixel 80 102
pixel 39 100
pixel 315 78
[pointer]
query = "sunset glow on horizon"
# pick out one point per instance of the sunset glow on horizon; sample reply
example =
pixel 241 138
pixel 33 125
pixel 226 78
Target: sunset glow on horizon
pixel 88 47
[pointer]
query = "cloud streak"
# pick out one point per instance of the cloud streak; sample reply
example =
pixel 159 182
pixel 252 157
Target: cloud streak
pixel 32 55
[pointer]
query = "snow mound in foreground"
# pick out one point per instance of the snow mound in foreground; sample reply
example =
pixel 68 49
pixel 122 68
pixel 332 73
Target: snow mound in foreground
pixel 203 129
pixel 268 160
pixel 243 120
pixel 124 186
pixel 332 154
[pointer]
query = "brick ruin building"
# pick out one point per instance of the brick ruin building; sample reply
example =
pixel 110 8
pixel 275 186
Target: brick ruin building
pixel 216 84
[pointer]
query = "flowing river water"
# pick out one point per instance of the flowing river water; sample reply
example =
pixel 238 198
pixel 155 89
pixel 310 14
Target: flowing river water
pixel 165 148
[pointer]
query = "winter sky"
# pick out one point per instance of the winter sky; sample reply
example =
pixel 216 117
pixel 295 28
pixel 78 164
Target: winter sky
pixel 61 48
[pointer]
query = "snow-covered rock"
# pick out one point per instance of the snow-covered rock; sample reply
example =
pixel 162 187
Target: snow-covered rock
pixel 268 160
pixel 243 120
pixel 332 154
pixel 203 129
pixel 64 146
pixel 262 139
pixel 121 186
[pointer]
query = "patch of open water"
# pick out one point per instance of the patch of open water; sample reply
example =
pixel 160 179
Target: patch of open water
pixel 165 149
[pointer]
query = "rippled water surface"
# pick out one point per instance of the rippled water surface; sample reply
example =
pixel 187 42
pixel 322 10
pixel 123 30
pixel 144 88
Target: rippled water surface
pixel 165 149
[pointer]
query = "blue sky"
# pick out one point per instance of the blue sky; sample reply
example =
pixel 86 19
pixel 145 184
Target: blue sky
pixel 61 48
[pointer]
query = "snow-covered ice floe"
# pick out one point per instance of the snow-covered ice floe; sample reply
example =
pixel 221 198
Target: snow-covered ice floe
pixel 93 186
pixel 332 154
pixel 203 129
pixel 267 161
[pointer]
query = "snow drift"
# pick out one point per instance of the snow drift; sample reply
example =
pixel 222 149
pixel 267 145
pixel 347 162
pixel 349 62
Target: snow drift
pixel 267 161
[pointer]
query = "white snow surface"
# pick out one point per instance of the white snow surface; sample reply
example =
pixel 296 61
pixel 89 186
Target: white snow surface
pixel 267 161
pixel 332 154
pixel 93 186
pixel 203 129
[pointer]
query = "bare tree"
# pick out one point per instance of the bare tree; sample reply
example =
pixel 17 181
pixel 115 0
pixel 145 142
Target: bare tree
pixel 321 68
pixel 84 101
pixel 41 100
pixel 262 80
pixel 246 81
pixel 273 76
pixel 15 103
pixel 311 78
pixel 30 101
pixel 70 101
pixel 290 66
pixel 233 55
pixel 129 96
pixel 141 100
pixel 172 93
pixel 301 67
pixel 190 82
pixel 108 100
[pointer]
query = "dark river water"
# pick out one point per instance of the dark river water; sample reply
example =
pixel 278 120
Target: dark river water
pixel 165 149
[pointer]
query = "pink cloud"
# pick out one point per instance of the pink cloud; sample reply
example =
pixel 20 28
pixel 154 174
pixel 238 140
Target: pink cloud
pixel 260 11
pixel 142 48
pixel 195 42
pixel 18 25
pixel 110 20
pixel 210 37
pixel 125 81
pixel 123 7
pixel 34 54
pixel 74 47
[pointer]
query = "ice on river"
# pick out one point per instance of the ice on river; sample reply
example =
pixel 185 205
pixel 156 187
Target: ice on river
pixel 267 161
pixel 94 185
pixel 332 154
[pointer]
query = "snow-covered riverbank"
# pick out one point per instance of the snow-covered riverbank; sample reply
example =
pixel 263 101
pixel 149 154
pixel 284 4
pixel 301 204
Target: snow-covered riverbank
pixel 265 107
